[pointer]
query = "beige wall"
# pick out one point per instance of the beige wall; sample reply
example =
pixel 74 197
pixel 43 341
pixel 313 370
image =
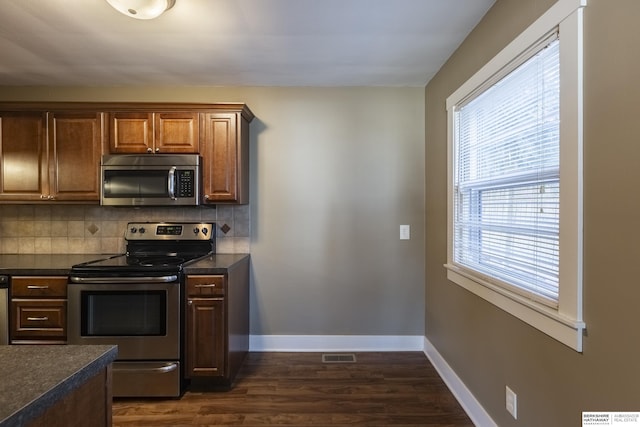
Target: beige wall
pixel 488 348
pixel 335 171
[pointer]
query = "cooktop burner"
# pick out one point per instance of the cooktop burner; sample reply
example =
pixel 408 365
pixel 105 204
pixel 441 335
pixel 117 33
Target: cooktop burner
pixel 156 261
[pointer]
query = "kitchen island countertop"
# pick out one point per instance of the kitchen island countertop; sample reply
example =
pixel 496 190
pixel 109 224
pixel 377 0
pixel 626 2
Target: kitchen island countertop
pixel 34 377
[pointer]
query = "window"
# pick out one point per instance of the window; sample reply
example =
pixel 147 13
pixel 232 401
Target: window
pixel 515 186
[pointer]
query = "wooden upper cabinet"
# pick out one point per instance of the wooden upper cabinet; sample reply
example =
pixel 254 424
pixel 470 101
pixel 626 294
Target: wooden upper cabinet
pixel 76 145
pixel 225 155
pixel 177 132
pixel 51 151
pixel 149 132
pixel 130 132
pixel 23 160
pixel 50 156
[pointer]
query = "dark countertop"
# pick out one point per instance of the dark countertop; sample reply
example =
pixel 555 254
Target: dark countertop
pixel 60 264
pixel 35 377
pixel 43 264
pixel 215 264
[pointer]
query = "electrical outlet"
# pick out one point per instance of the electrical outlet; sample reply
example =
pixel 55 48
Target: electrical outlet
pixel 512 402
pixel 405 232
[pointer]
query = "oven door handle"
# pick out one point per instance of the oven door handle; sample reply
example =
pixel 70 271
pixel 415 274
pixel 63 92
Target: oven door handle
pixel 116 280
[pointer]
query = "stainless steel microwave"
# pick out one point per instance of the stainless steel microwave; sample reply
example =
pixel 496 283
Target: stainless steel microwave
pixel 150 180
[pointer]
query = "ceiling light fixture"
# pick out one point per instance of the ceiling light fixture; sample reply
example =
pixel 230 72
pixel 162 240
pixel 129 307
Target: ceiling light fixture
pixel 142 9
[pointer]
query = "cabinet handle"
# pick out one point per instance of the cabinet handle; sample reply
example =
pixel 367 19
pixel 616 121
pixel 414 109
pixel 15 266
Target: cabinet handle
pixel 37 287
pixel 37 319
pixel 208 285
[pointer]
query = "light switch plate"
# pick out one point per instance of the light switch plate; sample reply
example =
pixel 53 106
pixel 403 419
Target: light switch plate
pixel 512 402
pixel 405 232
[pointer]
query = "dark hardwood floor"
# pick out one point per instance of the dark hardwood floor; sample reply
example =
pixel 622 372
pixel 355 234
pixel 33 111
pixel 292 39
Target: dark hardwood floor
pixel 298 389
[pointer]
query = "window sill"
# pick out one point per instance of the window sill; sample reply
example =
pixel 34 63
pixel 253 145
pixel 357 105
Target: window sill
pixel 549 321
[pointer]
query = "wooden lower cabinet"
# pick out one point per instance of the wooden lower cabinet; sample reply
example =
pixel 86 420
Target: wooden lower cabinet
pixel 217 325
pixel 38 310
pixel 206 337
pixel 88 405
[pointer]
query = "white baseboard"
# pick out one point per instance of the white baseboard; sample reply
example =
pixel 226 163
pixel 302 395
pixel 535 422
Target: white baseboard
pixel 336 343
pixel 469 403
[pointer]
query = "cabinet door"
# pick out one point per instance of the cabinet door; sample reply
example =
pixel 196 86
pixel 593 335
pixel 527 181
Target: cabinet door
pixel 177 132
pixel 206 348
pixel 75 147
pixel 131 132
pixel 220 158
pixel 23 160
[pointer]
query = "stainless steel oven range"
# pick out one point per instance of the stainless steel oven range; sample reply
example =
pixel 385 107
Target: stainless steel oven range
pixel 135 300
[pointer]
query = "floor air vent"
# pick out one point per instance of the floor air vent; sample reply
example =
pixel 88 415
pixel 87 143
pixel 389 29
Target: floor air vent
pixel 339 358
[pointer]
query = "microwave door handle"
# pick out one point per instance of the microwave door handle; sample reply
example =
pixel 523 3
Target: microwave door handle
pixel 171 183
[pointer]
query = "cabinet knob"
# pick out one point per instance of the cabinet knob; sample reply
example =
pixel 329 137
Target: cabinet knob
pixel 149 150
pixel 190 302
pixel 157 150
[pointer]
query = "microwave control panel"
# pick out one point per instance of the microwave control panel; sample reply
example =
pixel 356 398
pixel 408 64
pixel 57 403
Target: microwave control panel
pixel 185 183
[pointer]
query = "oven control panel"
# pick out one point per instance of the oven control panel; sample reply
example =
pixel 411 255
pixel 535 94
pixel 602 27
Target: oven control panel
pixel 169 231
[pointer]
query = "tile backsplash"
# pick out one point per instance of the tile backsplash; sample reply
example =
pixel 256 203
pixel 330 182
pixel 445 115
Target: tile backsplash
pixel 75 229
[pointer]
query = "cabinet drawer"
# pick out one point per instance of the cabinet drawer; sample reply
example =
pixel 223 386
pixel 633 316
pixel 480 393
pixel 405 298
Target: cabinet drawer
pixel 38 287
pixel 38 318
pixel 205 286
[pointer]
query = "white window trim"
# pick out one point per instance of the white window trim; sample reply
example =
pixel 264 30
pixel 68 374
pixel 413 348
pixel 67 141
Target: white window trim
pixel 565 323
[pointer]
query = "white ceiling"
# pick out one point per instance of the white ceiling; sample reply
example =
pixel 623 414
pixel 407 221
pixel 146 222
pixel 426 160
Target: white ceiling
pixel 233 42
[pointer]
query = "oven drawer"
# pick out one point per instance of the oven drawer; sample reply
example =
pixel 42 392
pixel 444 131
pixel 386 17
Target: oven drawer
pixel 38 287
pixel 44 319
pixel 146 379
pixel 205 286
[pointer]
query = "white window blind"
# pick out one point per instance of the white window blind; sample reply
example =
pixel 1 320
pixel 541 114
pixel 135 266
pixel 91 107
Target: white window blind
pixel 506 179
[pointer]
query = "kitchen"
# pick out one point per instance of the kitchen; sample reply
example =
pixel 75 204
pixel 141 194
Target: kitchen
pixel 328 239
pixel 172 326
pixel 85 230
